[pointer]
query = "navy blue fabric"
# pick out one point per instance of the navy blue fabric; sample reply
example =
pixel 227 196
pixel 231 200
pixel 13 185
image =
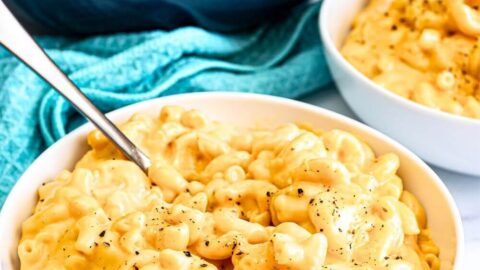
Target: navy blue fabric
pixel 101 16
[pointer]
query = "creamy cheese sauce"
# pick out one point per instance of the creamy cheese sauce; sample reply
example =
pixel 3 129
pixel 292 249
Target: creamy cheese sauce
pixel 424 50
pixel 222 197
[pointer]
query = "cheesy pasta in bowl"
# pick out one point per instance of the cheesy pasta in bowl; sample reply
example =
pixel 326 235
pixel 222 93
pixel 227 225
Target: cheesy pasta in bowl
pixel 426 51
pixel 256 191
pixel 414 63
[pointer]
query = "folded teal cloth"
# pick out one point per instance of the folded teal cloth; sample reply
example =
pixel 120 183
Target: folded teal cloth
pixel 283 59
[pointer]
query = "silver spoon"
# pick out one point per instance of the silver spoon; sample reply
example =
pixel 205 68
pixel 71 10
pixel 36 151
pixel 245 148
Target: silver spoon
pixel 15 39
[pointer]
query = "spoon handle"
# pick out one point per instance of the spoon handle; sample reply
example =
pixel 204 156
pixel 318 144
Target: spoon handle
pixel 16 39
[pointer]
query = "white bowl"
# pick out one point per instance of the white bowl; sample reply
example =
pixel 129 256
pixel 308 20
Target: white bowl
pixel 443 139
pixel 243 110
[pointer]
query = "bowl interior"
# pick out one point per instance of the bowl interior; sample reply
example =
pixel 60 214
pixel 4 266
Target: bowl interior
pixel 256 110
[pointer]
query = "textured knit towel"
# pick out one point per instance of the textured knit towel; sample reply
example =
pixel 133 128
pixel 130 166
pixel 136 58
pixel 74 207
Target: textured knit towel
pixel 283 59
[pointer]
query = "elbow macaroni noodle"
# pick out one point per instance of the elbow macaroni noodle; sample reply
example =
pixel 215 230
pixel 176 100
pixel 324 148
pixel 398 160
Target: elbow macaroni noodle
pixel 424 50
pixel 221 197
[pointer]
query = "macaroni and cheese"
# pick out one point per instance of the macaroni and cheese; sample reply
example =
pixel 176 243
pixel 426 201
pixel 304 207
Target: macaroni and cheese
pixel 424 50
pixel 223 197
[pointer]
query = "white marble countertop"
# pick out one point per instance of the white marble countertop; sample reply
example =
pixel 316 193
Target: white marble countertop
pixel 465 189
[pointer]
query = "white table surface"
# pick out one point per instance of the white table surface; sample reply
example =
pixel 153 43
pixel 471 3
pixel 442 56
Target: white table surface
pixel 465 189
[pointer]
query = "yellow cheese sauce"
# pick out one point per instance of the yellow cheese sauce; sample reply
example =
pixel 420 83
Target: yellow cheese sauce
pixel 424 50
pixel 222 197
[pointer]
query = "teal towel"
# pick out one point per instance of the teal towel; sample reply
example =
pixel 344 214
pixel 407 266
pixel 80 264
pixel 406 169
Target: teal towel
pixel 283 59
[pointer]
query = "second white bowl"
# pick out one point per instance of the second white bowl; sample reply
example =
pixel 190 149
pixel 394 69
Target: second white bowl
pixel 446 140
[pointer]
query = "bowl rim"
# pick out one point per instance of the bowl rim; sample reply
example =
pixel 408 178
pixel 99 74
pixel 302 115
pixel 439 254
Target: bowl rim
pixel 10 204
pixel 410 104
